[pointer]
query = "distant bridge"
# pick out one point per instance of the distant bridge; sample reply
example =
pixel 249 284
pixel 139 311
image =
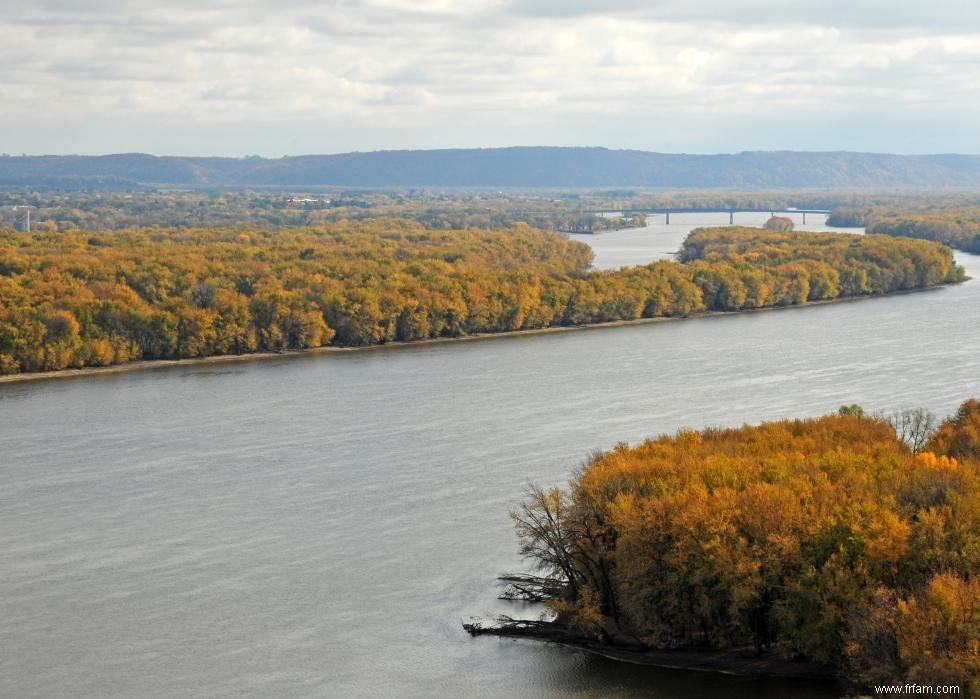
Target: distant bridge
pixel 667 211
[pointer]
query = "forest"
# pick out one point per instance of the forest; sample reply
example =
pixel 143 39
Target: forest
pixel 827 540
pixel 958 228
pixel 455 208
pixel 76 299
pixel 146 208
pixel 955 226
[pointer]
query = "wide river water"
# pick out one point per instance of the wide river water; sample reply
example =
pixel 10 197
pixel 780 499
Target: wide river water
pixel 321 525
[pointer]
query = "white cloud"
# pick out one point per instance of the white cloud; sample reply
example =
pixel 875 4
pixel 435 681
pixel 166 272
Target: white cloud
pixel 305 76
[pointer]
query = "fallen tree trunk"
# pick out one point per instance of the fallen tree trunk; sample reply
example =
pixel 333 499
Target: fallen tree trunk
pixel 742 661
pixel 526 628
pixel 531 588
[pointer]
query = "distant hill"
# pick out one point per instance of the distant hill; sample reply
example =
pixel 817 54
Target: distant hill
pixel 500 167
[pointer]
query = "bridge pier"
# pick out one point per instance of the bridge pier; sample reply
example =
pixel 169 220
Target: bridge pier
pixel 731 210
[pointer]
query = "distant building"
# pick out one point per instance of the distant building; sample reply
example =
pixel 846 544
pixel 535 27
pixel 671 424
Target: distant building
pixel 307 204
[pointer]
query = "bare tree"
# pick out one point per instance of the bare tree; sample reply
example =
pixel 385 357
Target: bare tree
pixel 913 426
pixel 542 523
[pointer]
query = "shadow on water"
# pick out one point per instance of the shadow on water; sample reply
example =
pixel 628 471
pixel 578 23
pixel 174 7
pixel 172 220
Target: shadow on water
pixel 589 675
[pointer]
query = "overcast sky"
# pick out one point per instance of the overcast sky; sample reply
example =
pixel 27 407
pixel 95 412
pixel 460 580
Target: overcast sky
pixel 275 77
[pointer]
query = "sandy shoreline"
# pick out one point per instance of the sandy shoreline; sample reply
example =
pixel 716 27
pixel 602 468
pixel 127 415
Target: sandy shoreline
pixel 144 364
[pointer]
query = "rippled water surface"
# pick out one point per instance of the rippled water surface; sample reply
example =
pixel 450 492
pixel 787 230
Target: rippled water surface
pixel 320 526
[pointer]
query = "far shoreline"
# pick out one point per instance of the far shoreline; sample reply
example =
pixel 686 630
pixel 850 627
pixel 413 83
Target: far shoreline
pixel 147 364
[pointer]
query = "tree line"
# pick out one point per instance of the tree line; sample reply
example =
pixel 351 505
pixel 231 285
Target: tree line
pixel 76 299
pixel 456 208
pixel 957 226
pixel 828 539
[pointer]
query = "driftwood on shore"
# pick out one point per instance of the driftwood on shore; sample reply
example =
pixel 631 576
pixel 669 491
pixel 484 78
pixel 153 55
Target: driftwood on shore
pixel 613 643
pixel 504 625
pixel 530 588
pixel 556 631
pixel 527 588
pixel 740 661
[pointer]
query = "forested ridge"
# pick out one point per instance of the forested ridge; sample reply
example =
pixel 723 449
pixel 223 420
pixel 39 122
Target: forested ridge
pixel 502 167
pixel 77 299
pixel 828 540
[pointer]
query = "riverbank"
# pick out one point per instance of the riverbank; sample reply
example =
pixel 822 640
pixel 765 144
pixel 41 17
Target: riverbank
pixel 718 662
pixel 740 661
pixel 741 665
pixel 147 364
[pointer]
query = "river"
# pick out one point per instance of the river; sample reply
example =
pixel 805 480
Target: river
pixel 320 526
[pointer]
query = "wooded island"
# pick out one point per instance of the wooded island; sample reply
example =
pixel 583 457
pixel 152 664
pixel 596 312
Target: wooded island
pixel 828 545
pixel 79 299
pixel 955 226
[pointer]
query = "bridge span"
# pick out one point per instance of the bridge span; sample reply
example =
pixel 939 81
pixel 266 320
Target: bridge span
pixel 667 211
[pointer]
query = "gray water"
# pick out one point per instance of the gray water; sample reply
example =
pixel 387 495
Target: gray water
pixel 632 246
pixel 320 526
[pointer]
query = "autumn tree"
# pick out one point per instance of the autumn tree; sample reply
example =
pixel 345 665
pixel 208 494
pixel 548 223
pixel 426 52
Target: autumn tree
pixel 779 223
pixel 76 298
pixel 829 539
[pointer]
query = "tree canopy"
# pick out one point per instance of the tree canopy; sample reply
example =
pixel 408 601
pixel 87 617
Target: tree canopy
pixel 958 228
pixel 955 224
pixel 824 538
pixel 75 299
pixel 779 223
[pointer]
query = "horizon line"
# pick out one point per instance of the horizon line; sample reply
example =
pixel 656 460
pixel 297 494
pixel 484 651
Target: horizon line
pixel 491 148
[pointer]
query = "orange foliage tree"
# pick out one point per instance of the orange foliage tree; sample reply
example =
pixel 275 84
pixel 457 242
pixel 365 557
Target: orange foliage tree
pixel 76 299
pixel 825 538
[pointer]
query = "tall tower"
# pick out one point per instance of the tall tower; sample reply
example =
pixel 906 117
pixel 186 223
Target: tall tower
pixel 23 223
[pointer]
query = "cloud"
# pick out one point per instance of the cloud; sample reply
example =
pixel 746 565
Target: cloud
pixel 850 14
pixel 362 74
